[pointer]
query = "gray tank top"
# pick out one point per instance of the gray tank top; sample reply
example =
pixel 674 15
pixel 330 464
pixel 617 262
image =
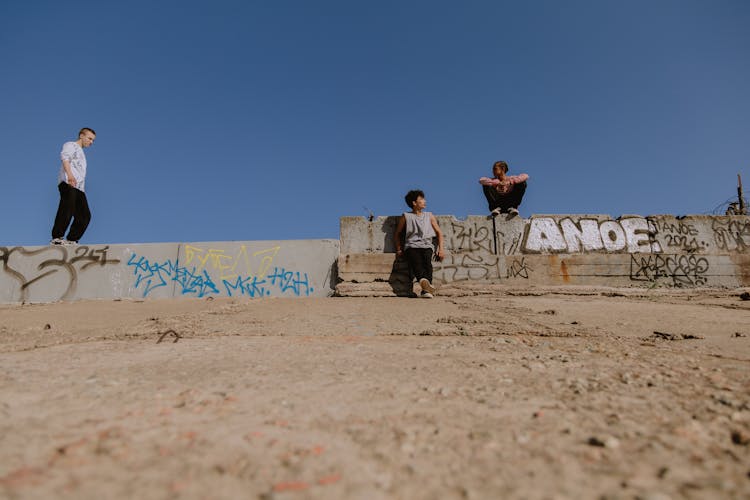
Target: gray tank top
pixel 419 231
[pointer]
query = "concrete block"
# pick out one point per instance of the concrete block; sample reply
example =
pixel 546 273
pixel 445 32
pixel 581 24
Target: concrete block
pixel 51 273
pixel 251 269
pixel 295 268
pixel 366 266
pixel 630 250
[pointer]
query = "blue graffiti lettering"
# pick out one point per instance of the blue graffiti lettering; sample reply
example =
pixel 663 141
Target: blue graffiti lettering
pixel 191 283
pixel 253 287
pixel 152 275
pixel 290 280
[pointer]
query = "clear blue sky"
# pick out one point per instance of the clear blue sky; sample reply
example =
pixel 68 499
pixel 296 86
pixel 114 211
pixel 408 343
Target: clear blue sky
pixel 255 120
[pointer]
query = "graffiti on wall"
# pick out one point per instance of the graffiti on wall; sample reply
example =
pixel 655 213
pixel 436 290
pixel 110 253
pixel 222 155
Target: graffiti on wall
pixel 231 266
pixel 42 265
pixel 151 275
pixel 213 272
pixel 518 269
pixel 633 234
pixel 468 266
pixel 682 270
pixel 473 256
pixel 473 236
pixel 508 244
pixel 464 236
pixel 678 235
pixel 732 235
pixel 627 235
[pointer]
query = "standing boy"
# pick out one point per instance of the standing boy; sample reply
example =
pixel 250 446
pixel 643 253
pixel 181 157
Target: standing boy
pixel 503 192
pixel 420 228
pixel 71 184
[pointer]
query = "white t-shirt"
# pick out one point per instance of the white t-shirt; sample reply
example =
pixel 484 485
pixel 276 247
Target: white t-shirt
pixel 73 152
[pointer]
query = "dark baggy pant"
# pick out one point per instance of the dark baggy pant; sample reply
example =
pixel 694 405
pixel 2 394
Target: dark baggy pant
pixel 420 262
pixel 504 201
pixel 73 205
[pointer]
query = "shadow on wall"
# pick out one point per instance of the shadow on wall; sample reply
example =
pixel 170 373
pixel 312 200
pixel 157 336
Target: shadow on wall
pixel 401 280
pixel 333 276
pixel 389 229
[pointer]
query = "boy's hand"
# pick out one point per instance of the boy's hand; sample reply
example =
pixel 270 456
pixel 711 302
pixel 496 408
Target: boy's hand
pixel 399 253
pixel 440 255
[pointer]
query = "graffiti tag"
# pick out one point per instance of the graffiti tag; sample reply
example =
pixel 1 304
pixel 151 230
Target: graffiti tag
pixel 632 235
pixel 197 282
pixel 29 267
pixel 683 270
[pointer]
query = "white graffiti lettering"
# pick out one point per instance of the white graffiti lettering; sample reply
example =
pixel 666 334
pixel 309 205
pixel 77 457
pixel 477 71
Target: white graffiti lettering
pixel 632 235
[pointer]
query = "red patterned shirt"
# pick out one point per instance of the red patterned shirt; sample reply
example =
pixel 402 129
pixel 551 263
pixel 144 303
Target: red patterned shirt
pixel 506 186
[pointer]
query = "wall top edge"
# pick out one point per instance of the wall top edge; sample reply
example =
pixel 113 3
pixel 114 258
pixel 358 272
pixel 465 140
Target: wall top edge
pixel 532 216
pixel 331 241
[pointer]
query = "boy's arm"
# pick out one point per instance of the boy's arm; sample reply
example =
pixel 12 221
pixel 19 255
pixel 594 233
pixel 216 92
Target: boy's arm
pixel 518 179
pixel 486 181
pixel 69 173
pixel 439 233
pixel 65 155
pixel 397 237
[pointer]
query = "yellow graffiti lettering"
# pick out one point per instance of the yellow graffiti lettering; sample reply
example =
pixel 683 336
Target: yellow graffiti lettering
pixel 227 265
pixel 266 261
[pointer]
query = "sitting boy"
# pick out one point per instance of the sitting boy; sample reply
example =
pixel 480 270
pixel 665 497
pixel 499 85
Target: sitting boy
pixel 420 228
pixel 504 192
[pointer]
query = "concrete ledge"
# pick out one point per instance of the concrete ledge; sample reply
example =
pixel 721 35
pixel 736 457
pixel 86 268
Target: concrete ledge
pixel 366 266
pixel 249 269
pixel 690 251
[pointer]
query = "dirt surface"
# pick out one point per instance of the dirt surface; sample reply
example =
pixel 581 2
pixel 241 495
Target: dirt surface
pixel 491 393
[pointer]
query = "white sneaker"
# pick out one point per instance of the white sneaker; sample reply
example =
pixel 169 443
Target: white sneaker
pixel 57 241
pixel 512 212
pixel 496 212
pixel 69 243
pixel 426 295
pixel 426 285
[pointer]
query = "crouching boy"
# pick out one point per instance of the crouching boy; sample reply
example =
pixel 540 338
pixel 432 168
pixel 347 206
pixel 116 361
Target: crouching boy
pixel 503 192
pixel 420 228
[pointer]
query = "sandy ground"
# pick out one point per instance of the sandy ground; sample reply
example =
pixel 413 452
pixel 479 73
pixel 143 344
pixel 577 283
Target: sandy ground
pixel 499 393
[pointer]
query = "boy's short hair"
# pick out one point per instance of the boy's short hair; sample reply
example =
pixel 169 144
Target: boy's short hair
pixel 86 129
pixel 412 196
pixel 500 164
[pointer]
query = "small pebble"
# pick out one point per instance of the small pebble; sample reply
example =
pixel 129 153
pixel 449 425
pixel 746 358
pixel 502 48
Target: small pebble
pixel 605 442
pixel 740 437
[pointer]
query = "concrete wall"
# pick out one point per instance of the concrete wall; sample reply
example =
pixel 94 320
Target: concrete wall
pixel 559 249
pixel 660 250
pixel 250 269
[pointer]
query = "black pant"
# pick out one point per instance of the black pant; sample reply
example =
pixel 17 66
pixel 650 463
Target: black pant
pixel 420 262
pixel 73 205
pixel 504 201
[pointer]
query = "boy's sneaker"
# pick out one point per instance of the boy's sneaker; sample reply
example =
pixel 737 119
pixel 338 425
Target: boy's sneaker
pixel 512 212
pixel 496 212
pixel 426 295
pixel 69 243
pixel 57 241
pixel 426 286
